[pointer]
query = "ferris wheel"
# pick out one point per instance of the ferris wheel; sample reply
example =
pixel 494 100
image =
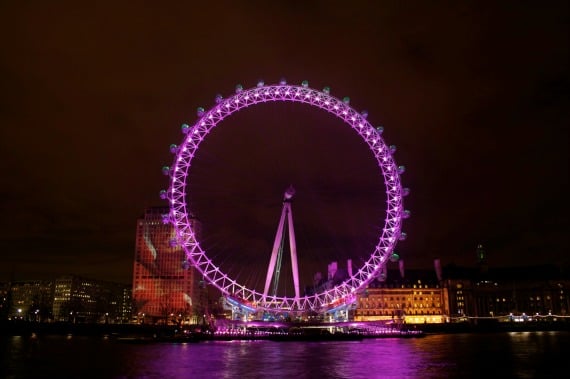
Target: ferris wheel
pixel 180 210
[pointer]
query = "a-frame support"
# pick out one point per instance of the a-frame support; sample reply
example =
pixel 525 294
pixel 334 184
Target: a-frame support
pixel 286 213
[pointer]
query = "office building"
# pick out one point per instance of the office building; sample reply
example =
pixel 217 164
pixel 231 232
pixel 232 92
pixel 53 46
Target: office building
pixel 165 285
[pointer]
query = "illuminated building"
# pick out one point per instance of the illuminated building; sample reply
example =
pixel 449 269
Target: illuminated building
pixel 5 299
pixel 165 285
pixel 30 300
pixel 81 300
pixel 504 293
pixel 416 298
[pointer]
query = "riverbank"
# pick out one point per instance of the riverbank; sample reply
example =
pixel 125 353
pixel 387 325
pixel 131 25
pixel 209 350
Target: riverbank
pixel 140 334
pixel 22 328
pixel 14 328
pixel 494 326
pixel 311 335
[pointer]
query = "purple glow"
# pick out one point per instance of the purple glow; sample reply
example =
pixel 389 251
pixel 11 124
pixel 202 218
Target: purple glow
pixel 243 98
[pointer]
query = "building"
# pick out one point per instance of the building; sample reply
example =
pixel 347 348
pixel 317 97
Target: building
pixel 165 285
pixel 511 293
pixel 82 300
pixel 30 300
pixel 415 297
pixel 67 298
pixel 5 300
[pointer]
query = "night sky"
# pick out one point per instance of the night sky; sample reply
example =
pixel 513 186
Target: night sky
pixel 473 94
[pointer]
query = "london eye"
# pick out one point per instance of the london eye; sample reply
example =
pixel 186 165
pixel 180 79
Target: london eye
pixel 180 209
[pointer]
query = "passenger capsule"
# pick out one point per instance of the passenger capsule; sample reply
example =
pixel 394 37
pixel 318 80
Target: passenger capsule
pixel 364 114
pixel 173 148
pixel 327 90
pixel 173 242
pixel 260 83
pixel 165 218
pixel 392 149
pixel 219 98
pixel 200 111
pixel 406 214
pixel 346 100
pixel 282 81
pixel 403 236
pixel 185 128
pixel 405 191
pixel 166 170
pixel 239 88
pixel 394 257
pixel 163 194
pixel 305 83
pixel 401 169
pixel 379 129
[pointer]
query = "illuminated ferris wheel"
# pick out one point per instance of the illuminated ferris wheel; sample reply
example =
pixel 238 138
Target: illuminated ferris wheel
pixel 176 194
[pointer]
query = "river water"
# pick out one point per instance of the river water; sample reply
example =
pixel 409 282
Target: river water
pixel 478 355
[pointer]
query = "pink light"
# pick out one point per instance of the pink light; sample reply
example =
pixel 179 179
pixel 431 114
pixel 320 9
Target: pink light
pixel 340 109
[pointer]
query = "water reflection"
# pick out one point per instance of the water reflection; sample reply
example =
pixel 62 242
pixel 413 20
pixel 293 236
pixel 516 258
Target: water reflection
pixel 505 355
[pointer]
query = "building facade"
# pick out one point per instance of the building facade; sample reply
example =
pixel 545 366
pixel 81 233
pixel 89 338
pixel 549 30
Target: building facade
pixel 30 300
pixel 82 300
pixel 67 298
pixel 415 298
pixel 516 293
pixel 166 288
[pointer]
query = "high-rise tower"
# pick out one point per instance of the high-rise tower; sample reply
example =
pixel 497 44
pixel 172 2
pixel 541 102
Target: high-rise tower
pixel 481 254
pixel 482 258
pixel 165 285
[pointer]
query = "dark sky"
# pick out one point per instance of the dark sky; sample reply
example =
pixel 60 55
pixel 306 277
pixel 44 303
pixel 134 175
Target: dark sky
pixel 473 94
